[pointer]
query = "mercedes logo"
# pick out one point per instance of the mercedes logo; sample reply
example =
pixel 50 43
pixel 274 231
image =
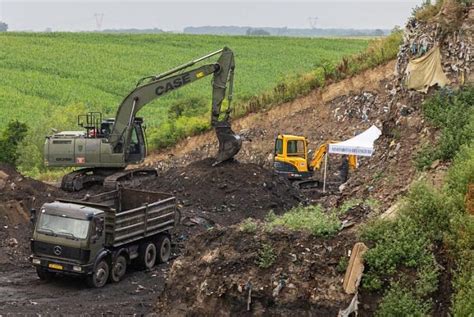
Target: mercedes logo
pixel 57 250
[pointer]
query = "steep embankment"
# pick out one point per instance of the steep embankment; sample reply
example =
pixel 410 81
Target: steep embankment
pixel 225 268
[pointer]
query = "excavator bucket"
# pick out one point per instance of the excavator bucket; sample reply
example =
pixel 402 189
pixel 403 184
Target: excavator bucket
pixel 229 143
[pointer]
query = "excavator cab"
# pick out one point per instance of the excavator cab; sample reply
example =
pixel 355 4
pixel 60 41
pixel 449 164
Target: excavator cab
pixel 291 156
pixel 136 151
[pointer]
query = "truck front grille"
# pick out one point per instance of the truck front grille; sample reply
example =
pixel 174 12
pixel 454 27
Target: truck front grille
pixel 59 251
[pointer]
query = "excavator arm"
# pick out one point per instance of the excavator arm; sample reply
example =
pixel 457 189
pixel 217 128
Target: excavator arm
pixel 153 87
pixel 318 157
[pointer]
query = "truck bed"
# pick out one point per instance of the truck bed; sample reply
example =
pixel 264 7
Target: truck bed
pixel 132 214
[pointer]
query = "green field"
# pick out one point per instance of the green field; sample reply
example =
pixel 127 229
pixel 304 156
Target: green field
pixel 47 79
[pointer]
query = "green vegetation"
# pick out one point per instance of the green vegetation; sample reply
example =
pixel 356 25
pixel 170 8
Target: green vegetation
pixel 248 225
pixel 402 256
pixel 342 264
pixel 400 301
pixel 310 218
pixel 266 256
pixel 10 138
pixel 453 114
pixel 49 78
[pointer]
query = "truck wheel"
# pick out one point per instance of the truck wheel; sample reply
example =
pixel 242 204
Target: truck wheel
pixel 44 274
pixel 147 255
pixel 99 277
pixel 164 248
pixel 119 268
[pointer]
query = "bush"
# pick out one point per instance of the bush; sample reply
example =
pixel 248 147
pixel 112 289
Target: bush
pixel 266 256
pixel 10 138
pixel 398 243
pixel 454 115
pixel 427 208
pixel 310 218
pixel 400 301
pixel 427 11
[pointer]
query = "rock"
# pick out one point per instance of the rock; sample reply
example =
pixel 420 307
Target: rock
pixel 2 184
pixel 3 175
pixel 12 242
pixel 435 164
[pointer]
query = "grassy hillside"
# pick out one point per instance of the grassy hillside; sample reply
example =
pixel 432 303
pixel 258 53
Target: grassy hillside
pixel 47 79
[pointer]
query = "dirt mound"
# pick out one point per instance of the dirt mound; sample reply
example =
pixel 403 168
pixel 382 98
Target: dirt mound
pixel 14 186
pixel 218 275
pixel 227 193
pixel 17 195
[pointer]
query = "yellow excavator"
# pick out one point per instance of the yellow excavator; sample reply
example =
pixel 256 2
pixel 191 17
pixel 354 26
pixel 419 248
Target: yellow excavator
pixel 292 160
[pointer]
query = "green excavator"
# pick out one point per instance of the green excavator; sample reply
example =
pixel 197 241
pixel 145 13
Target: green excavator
pixel 105 147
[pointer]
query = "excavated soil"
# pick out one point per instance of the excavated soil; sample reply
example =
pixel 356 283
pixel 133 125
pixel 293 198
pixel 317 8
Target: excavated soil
pixel 217 275
pixel 227 193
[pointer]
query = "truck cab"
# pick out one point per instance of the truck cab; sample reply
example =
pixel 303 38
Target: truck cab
pixel 67 237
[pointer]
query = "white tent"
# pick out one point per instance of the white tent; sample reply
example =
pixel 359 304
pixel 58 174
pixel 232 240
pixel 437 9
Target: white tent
pixel 360 145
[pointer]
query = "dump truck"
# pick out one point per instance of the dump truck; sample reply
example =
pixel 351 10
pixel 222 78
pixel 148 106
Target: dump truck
pixel 100 236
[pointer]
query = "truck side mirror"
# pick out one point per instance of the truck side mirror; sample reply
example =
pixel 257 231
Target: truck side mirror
pixel 33 216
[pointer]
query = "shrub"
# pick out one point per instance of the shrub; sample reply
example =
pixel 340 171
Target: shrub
pixel 400 301
pixel 266 256
pixel 454 115
pixel 400 243
pixel 10 138
pixel 310 218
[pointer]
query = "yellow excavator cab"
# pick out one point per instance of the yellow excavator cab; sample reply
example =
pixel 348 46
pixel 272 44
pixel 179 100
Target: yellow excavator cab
pixel 291 156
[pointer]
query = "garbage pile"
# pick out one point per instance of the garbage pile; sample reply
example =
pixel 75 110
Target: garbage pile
pixel 455 44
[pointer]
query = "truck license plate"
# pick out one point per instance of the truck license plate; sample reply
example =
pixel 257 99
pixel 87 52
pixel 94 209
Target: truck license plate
pixel 55 266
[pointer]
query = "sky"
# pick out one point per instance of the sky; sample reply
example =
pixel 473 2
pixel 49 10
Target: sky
pixel 70 15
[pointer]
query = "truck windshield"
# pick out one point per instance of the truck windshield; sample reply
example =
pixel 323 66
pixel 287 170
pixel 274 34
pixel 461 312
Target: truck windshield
pixel 75 228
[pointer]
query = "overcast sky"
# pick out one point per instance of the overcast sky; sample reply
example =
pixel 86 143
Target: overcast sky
pixel 67 15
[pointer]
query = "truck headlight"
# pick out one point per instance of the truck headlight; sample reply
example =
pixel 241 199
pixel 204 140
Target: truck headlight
pixel 76 268
pixel 36 261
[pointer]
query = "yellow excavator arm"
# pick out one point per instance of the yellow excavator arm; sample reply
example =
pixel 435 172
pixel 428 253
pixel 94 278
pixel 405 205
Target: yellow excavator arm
pixel 317 160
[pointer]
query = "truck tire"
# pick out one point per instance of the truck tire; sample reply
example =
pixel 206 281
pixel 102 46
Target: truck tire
pixel 147 255
pixel 99 277
pixel 163 245
pixel 118 269
pixel 44 275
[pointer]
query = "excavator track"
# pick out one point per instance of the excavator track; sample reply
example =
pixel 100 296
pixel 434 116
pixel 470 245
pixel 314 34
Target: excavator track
pixel 109 178
pixel 81 178
pixel 129 178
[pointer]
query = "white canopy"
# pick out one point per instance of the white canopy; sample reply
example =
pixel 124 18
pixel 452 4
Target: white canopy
pixel 361 145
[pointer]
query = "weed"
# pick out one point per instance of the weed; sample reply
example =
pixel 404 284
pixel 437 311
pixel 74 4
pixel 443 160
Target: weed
pixel 311 218
pixel 348 205
pixel 248 226
pixel 342 264
pixel 266 256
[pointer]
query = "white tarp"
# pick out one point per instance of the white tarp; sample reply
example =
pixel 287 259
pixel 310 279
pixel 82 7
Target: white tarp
pixel 360 145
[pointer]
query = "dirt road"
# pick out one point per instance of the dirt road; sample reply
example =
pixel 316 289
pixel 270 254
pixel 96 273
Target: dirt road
pixel 21 292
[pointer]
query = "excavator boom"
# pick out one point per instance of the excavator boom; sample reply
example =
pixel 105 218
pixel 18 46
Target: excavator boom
pixel 157 86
